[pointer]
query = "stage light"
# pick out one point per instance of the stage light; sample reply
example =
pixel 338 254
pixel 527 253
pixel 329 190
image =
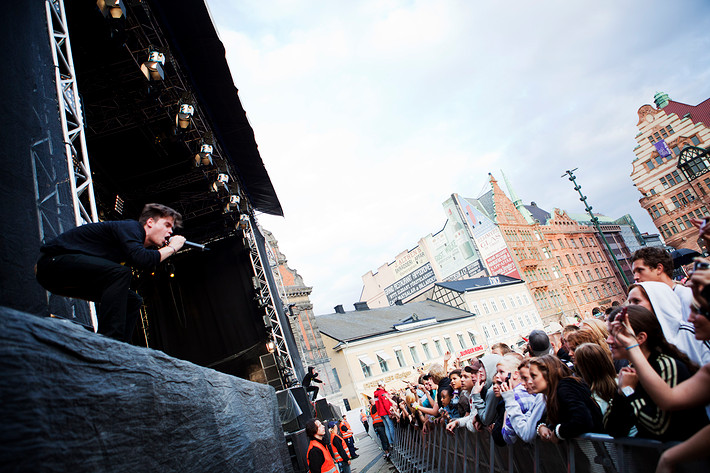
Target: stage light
pixel 185 112
pixel 115 8
pixel 204 156
pixel 118 207
pixel 170 269
pixel 243 221
pixel 233 203
pixel 152 69
pixel 221 183
pixel 270 346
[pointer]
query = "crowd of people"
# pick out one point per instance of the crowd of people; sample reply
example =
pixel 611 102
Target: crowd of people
pixel 641 369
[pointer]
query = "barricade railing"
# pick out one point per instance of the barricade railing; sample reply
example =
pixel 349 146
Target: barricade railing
pixel 476 452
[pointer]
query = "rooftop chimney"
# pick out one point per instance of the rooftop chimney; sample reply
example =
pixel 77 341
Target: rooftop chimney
pixel 361 306
pixel 398 302
pixel 339 309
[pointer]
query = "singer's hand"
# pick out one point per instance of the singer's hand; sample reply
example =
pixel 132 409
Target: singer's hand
pixel 177 241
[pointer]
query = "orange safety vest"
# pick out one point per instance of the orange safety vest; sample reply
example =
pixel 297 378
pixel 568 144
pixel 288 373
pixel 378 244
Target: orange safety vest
pixel 363 418
pixel 338 458
pixel 348 433
pixel 328 464
pixel 375 417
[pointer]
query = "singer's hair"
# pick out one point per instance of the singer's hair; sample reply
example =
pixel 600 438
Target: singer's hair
pixel 158 211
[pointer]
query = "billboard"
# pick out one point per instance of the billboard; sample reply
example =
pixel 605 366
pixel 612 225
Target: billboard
pixel 411 284
pixel 489 240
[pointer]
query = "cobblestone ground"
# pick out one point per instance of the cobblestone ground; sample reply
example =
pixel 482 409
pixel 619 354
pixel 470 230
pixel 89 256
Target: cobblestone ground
pixel 371 459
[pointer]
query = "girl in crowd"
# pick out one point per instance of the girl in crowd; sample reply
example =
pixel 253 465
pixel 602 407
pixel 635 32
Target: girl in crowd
pixel 594 365
pixel 660 299
pixel 631 404
pixel 688 394
pixel 524 424
pixel 571 411
pixel 485 400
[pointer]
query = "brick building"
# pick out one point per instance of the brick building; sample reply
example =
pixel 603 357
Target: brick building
pixel 671 166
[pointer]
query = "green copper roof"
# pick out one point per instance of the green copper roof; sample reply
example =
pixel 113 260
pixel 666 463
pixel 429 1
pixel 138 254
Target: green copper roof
pixel 661 99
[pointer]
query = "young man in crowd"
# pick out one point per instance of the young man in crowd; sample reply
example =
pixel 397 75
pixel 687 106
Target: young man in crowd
pixel 656 264
pixel 341 452
pixel 347 435
pixel 383 403
pixel 379 427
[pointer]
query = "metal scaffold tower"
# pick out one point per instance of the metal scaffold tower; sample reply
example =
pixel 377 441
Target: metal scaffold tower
pixel 71 116
pixel 267 301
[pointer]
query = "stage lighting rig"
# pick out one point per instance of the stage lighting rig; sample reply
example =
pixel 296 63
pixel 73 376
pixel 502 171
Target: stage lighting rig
pixel 243 222
pixel 114 8
pixel 220 184
pixel 153 69
pixel 204 156
pixel 232 204
pixel 185 112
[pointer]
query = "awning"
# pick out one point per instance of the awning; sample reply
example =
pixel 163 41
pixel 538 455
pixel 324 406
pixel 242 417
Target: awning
pixel 412 344
pixel 475 332
pixel 366 360
pixel 423 341
pixel 383 355
pixel 397 347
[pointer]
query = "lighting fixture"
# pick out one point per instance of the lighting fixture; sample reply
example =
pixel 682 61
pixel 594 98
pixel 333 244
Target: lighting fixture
pixel 233 203
pixel 204 155
pixel 185 112
pixel 221 183
pixel 270 346
pixel 152 69
pixel 115 8
pixel 244 221
pixel 118 207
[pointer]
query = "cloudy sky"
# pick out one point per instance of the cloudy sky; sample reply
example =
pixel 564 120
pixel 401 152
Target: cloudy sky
pixel 369 114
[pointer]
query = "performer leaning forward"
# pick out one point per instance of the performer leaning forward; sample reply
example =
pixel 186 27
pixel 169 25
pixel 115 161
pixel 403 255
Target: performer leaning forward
pixel 93 262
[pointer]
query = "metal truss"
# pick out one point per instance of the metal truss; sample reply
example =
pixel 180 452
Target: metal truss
pixel 73 136
pixel 70 114
pixel 267 301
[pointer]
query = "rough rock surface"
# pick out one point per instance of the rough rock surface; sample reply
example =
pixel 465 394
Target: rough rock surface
pixel 71 400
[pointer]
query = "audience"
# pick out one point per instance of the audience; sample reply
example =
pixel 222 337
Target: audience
pixel 513 391
pixel 594 365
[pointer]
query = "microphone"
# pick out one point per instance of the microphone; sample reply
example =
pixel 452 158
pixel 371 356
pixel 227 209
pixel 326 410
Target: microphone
pixel 195 245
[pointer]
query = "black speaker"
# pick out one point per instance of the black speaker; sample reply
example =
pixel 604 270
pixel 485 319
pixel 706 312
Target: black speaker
pixel 323 410
pixel 271 371
pixel 297 444
pixel 301 397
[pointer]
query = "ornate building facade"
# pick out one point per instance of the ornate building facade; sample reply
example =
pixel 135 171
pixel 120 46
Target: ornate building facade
pixel 671 167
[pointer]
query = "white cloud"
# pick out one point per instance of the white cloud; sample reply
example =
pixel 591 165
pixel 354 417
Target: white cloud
pixel 370 114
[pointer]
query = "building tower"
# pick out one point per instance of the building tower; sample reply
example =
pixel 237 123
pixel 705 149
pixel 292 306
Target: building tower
pixel 671 166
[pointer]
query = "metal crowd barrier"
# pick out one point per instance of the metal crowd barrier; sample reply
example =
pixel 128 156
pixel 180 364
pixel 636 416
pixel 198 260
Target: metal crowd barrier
pixel 467 452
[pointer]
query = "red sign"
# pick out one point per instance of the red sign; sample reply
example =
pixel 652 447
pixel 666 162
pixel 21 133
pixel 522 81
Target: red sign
pixel 502 263
pixel 470 351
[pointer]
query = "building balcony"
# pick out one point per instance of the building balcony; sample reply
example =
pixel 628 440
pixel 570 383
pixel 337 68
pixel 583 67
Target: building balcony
pixel 538 284
pixel 529 263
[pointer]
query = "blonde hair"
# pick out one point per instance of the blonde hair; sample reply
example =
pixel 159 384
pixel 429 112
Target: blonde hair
pixel 510 362
pixel 436 371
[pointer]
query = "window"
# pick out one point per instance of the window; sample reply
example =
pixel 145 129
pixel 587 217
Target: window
pixel 576 275
pixel 437 345
pixel 664 183
pixel 586 298
pixel 590 257
pixel 670 130
pixel 493 304
pixel 581 240
pixel 485 307
pixel 569 280
pixel 576 296
pixel 659 160
pixel 525 298
pixel 518 299
pixel 510 299
pixel 680 223
pixel 413 353
pixel 580 258
pixel 676 204
pixel 475 308
pixel 495 329
pixel 502 325
pixel 383 364
pixel 559 262
pixel 552 245
pixel 502 304
pixel 527 318
pixel 400 357
pixel 561 242
pixel 485 331
pixel 650 165
pixel 427 353
pixel 520 319
pixel 596 270
pixel 366 371
pixel 596 291
pixel 472 337
pixel 695 141
pixel 604 290
pixel 569 260
pixel 589 275
pixel 461 342
pixel 572 244
pixel 449 345
pixel 512 323
pixel 676 151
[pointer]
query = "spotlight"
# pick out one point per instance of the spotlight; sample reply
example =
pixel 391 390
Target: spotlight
pixel 270 346
pixel 221 182
pixel 204 156
pixel 170 269
pixel 243 221
pixel 152 69
pixel 185 112
pixel 115 8
pixel 118 207
pixel 233 203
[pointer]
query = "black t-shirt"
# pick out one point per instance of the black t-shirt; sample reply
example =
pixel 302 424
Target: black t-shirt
pixel 118 241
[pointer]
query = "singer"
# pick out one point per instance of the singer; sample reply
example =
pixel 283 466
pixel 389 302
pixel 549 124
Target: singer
pixel 93 262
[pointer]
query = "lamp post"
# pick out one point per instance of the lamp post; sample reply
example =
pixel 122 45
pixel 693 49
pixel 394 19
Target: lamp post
pixel 595 220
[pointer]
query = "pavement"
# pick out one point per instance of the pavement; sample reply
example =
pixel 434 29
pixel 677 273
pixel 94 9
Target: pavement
pixel 371 458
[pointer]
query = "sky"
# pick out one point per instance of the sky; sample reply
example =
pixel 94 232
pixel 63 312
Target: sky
pixel 370 114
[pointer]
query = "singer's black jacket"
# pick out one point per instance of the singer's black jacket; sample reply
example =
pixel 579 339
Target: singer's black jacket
pixel 118 241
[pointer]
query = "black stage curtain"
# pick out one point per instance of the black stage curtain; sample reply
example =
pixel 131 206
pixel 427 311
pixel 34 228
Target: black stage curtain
pixel 206 312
